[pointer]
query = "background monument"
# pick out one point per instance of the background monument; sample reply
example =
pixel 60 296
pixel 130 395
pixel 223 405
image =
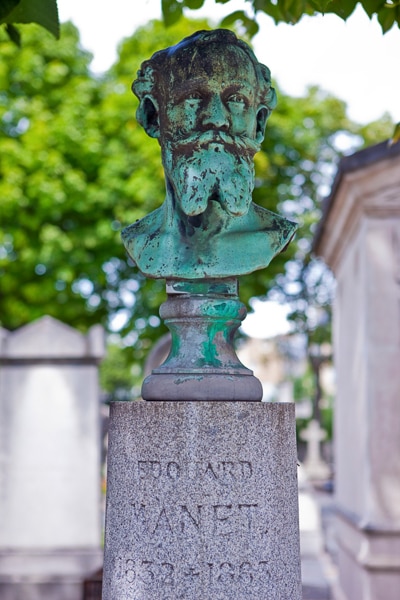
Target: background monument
pixel 50 520
pixel 202 496
pixel 359 238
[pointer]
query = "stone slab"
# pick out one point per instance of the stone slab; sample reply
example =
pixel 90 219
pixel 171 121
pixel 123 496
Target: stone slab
pixel 202 502
pixel 49 457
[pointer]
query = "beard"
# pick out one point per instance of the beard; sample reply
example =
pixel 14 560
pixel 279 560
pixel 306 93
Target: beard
pixel 211 166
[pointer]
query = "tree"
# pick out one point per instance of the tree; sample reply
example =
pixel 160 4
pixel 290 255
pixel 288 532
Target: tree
pixel 50 144
pixel 45 12
pixel 289 11
pixel 76 167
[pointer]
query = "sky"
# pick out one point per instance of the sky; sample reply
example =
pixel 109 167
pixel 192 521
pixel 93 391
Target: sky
pixel 353 60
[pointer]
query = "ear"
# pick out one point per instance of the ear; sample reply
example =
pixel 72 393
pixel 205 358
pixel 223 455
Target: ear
pixel 262 116
pixel 147 115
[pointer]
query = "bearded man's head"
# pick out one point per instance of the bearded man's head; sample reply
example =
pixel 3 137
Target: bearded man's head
pixel 207 100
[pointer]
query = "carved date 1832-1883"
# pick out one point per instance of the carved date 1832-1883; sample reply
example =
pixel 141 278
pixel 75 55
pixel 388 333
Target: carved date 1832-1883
pixel 150 573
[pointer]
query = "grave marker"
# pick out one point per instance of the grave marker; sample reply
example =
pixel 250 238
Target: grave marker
pixel 314 465
pixel 50 522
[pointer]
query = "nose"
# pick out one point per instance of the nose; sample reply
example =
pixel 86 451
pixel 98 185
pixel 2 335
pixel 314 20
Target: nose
pixel 215 114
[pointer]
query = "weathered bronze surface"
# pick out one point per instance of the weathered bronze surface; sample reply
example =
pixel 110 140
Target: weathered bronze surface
pixel 203 317
pixel 207 101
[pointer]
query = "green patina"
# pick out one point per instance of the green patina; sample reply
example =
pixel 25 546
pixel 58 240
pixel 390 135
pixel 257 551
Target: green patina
pixel 207 101
pixel 209 355
pixel 175 341
pixel 228 309
pixel 217 287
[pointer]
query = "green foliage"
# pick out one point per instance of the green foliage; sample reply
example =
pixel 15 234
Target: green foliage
pixel 49 153
pixel 75 167
pixel 119 378
pixel 289 11
pixel 42 12
pixel 396 134
pixel 304 388
pixel 249 25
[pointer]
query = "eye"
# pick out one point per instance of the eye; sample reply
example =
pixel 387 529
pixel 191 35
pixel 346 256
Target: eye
pixel 238 99
pixel 193 96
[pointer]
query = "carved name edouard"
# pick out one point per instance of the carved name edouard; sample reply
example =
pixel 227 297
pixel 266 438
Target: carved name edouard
pixel 208 470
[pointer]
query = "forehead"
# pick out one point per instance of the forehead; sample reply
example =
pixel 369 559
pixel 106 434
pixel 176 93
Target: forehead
pixel 224 62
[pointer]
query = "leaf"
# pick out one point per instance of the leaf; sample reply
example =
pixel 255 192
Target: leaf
pixel 6 6
pixel 171 11
pixel 42 12
pixel 321 6
pixel 13 34
pixel 291 10
pixel 342 8
pixel 268 8
pixel 372 6
pixel 194 4
pixel 386 18
pixel 249 24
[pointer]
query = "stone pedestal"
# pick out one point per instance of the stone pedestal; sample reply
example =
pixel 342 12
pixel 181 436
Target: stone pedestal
pixel 360 240
pixel 203 318
pixel 50 520
pixel 202 502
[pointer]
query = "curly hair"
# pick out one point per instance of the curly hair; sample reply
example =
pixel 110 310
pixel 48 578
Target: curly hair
pixel 151 85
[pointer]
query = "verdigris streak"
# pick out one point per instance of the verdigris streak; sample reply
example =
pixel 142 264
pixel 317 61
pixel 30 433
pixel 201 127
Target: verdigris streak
pixel 207 101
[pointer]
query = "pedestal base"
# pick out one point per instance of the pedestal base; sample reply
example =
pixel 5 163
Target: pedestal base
pixel 202 502
pixel 202 387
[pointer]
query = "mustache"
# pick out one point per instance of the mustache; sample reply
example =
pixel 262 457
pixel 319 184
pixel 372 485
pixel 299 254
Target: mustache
pixel 234 144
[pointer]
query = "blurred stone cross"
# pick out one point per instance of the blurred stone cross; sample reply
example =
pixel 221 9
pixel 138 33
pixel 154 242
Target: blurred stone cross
pixel 314 465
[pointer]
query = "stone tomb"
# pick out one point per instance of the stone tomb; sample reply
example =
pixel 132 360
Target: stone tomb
pixel 50 521
pixel 359 238
pixel 202 502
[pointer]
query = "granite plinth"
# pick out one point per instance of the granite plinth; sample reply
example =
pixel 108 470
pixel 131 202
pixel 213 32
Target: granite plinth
pixel 202 387
pixel 202 502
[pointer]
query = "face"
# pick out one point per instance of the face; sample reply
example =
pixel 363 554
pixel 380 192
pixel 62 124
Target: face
pixel 212 89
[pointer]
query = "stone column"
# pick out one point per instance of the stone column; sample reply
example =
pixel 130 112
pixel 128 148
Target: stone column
pixel 50 521
pixel 359 239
